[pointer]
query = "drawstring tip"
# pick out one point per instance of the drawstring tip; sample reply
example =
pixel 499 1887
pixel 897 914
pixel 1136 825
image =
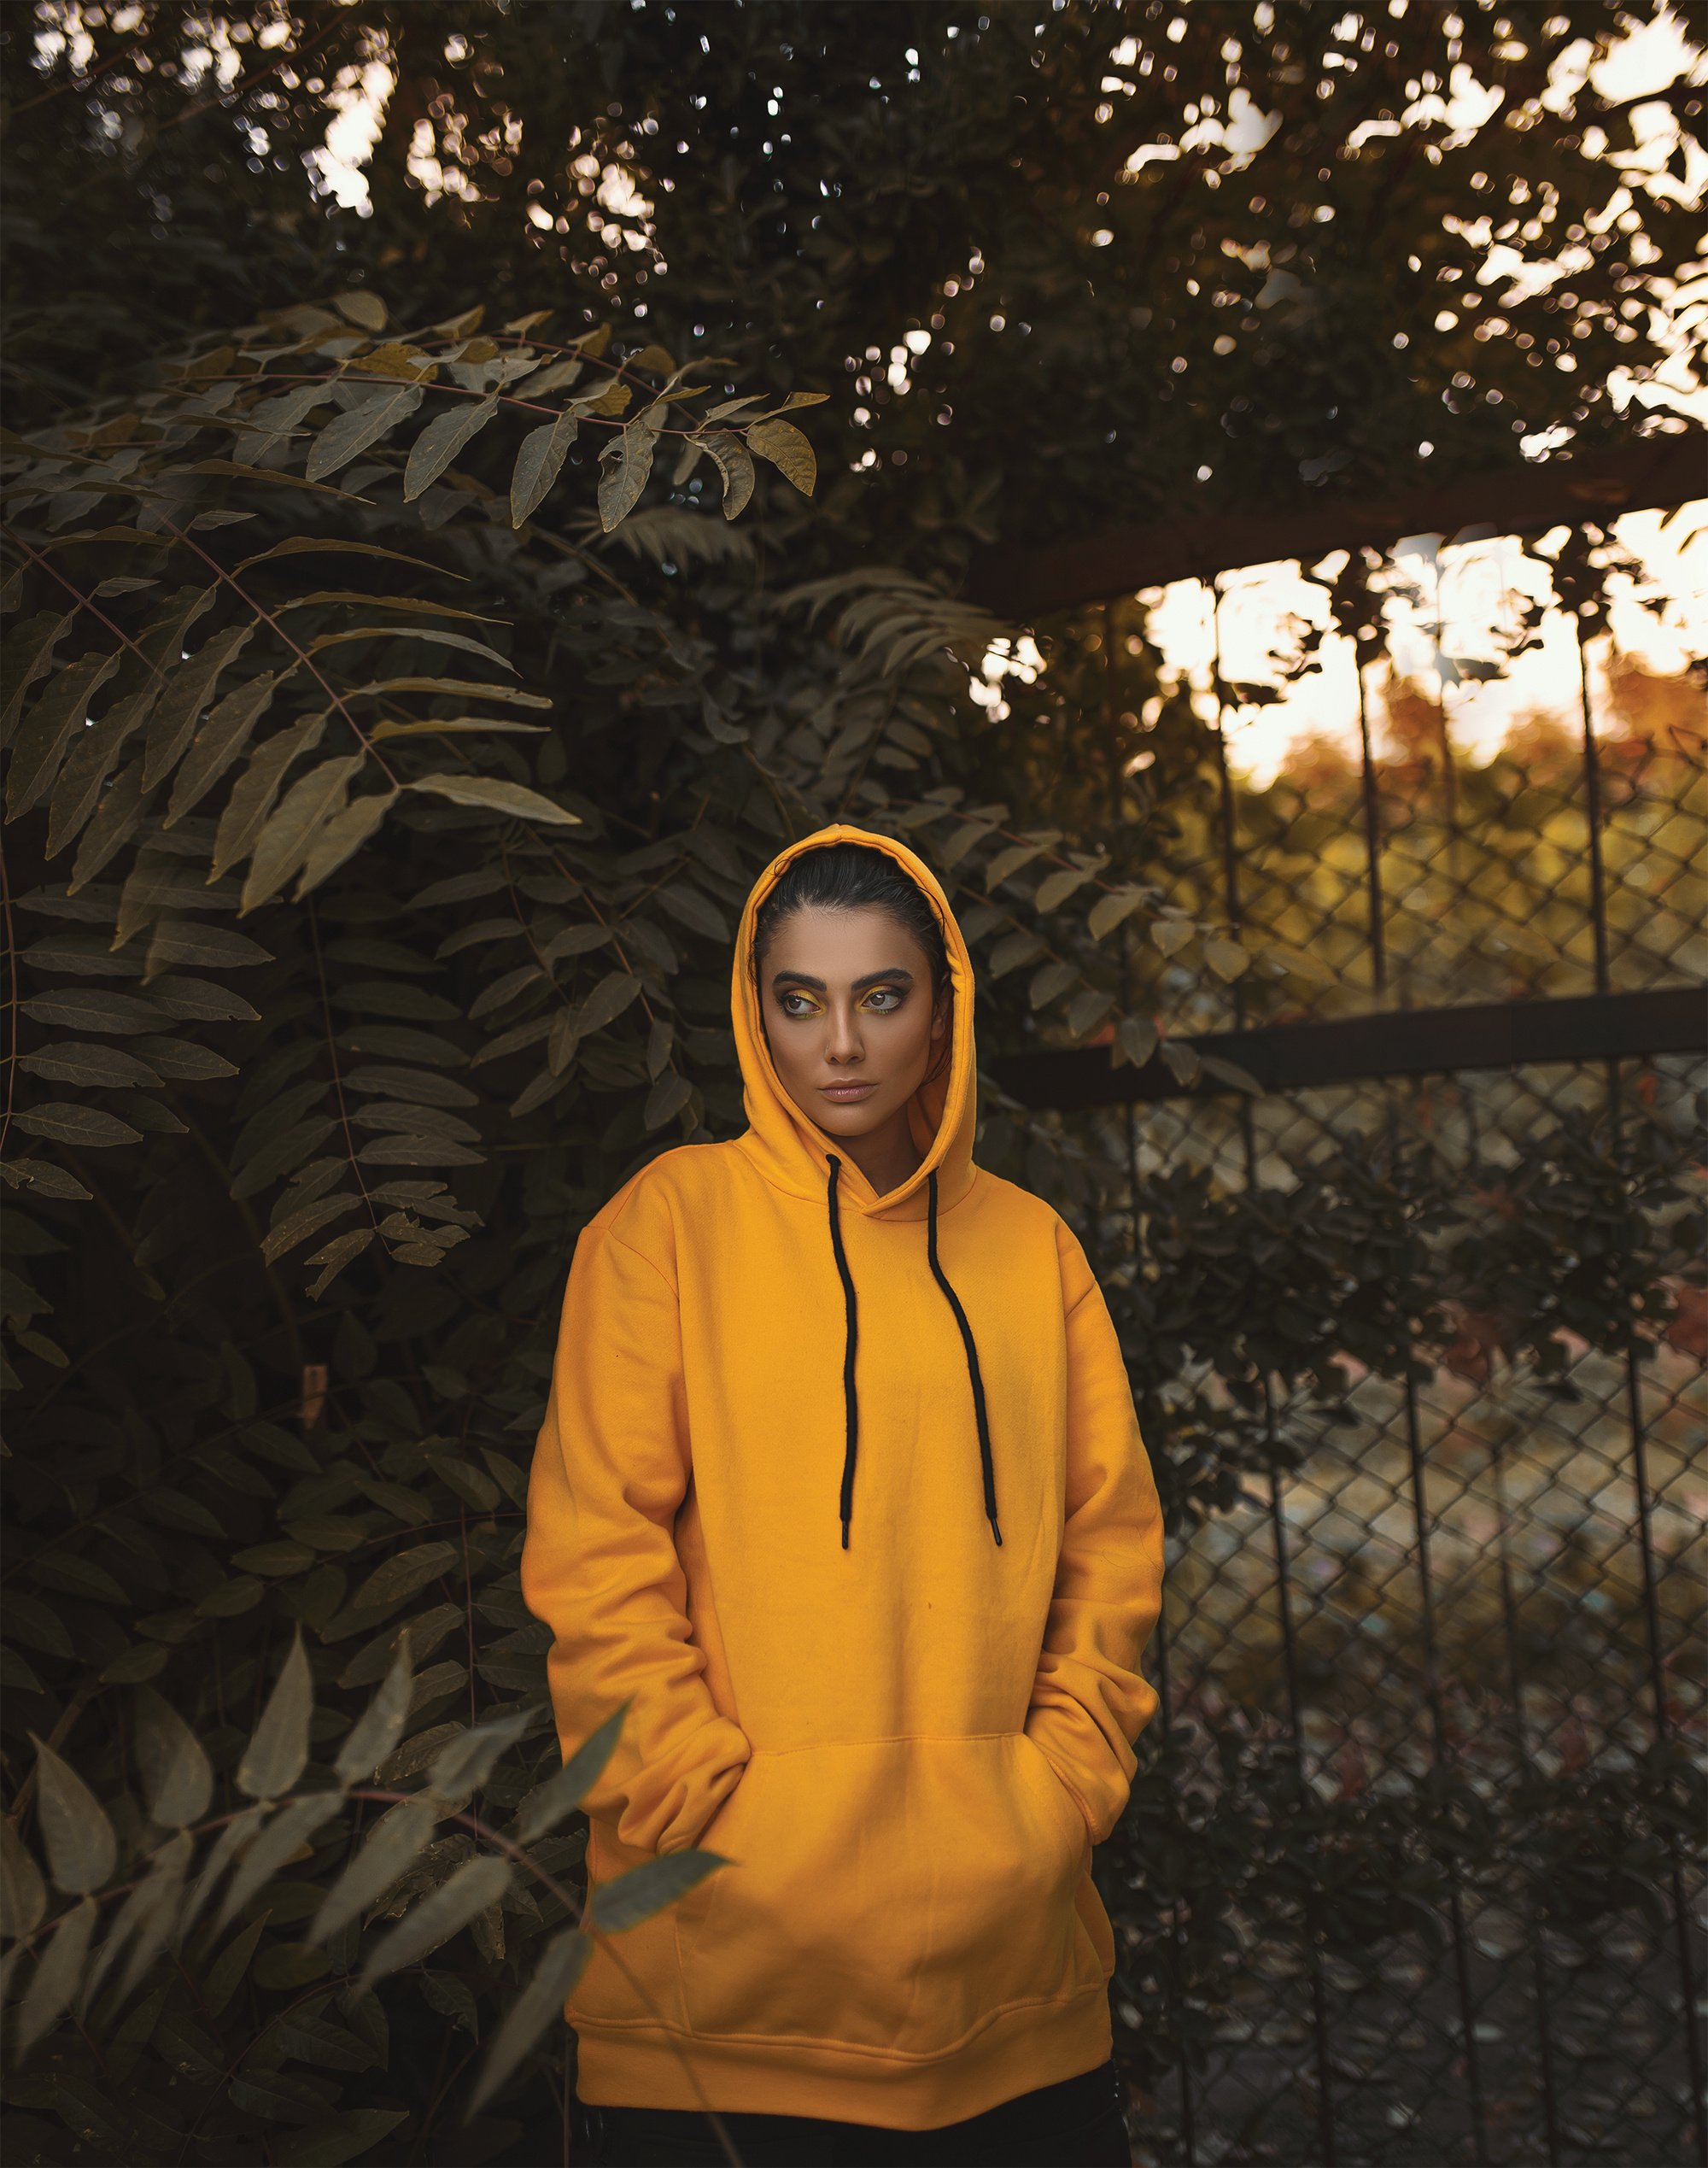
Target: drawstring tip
pixel 995 1531
pixel 844 1536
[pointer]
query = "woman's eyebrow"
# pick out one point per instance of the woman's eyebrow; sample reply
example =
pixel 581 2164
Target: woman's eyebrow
pixel 898 975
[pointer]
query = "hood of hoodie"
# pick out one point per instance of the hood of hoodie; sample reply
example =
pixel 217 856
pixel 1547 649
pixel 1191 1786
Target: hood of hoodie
pixel 794 1153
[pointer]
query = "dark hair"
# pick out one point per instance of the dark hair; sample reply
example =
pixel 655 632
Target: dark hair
pixel 852 876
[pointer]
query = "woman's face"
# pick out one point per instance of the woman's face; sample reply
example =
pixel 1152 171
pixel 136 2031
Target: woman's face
pixel 849 1012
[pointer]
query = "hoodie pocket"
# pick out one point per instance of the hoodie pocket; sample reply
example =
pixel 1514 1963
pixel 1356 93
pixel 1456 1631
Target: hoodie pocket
pixel 889 1895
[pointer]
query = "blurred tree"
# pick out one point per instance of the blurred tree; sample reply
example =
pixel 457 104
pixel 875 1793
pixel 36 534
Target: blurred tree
pixel 1199 259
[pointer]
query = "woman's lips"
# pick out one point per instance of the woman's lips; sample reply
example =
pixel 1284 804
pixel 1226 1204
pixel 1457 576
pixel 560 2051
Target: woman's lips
pixel 846 1094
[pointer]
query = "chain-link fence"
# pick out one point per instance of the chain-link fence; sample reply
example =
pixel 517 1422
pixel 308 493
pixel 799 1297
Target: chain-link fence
pixel 1431 1685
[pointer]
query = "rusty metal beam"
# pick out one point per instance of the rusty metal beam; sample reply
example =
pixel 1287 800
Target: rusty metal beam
pixel 1649 472
pixel 1401 1042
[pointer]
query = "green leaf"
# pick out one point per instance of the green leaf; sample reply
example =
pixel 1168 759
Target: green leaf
pixel 540 2005
pixel 174 1508
pixel 229 1842
pixel 176 1777
pixel 397 1837
pixel 402 1575
pixel 398 1043
pixel 94 755
pixel 607 1001
pixel 434 638
pixel 114 822
pixel 1227 959
pixel 735 464
pixel 666 1099
pixel 280 2096
pixel 1135 1041
pixel 461 687
pixel 146 1918
pixel 188 689
pixel 78 1008
pixel 335 1256
pixel 28 652
pixel 309 2039
pixel 1087 1010
pixel 538 464
pixel 647 1888
pixel 1014 950
pixel 226 1975
pixel 342 837
pixel 275 1560
pixel 626 463
pixel 69 1123
pixel 288 1831
pixel 412 604
pixel 63 1570
pixel 279 1156
pixel 450 1996
pixel 413 1755
pixel 787 450
pixel 288 837
pixel 327 2145
pixel 1010 861
pixel 273 1760
pixel 693 910
pixel 80 1843
pixel 290 1964
pixel 471 1484
pixel 425 1631
pixel 58 1970
pixel 1231 1073
pixel 331 2048
pixel 464 1764
pixel 1182 1060
pixel 43 736
pixel 200 1001
pixel 545 1806
pixel 1300 963
pixel 16 1672
pixel 475 1885
pixel 341 440
pixel 252 795
pixel 221 738
pixel 1052 980
pixel 441 440
pixel 312 545
pixel 489 794
pixel 1171 935
pixel 456 726
pixel 23 1894
pixel 213 948
pixel 1055 889
pixel 374 1735
pixel 301 1225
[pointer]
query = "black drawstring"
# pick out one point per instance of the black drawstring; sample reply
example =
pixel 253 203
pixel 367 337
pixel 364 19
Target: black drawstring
pixel 849 1396
pixel 987 1466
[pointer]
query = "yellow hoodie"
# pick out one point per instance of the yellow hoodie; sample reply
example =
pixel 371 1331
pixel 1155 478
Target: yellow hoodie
pixel 906 1747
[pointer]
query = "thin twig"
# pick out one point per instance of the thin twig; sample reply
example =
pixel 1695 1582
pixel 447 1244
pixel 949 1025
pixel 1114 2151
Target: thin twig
pixel 84 603
pixel 301 654
pixel 136 45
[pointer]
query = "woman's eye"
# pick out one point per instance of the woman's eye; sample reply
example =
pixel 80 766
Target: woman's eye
pixel 884 999
pixel 797 1005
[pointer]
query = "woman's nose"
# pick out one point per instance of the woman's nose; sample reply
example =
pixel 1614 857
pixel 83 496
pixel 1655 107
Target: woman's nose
pixel 843 1042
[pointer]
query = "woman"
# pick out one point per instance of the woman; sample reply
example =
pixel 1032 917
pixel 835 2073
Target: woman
pixel 840 1489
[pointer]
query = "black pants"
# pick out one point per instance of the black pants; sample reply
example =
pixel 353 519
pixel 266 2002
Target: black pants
pixel 1077 2125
